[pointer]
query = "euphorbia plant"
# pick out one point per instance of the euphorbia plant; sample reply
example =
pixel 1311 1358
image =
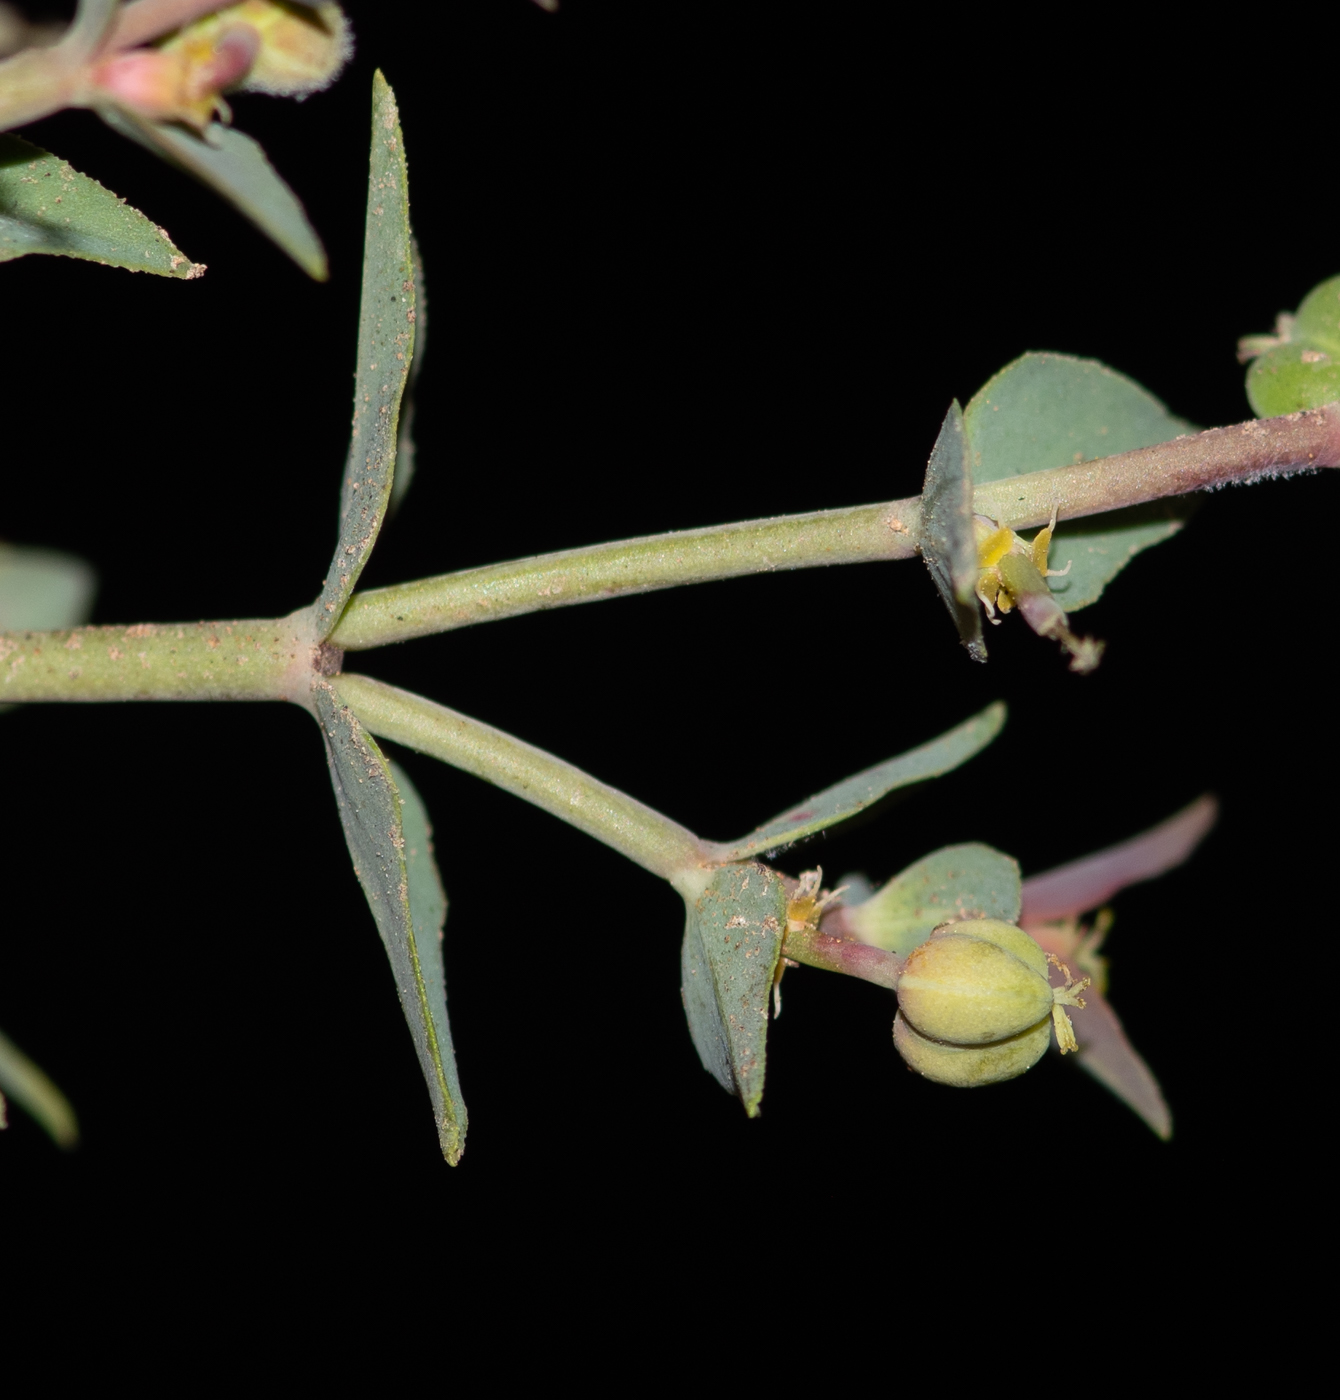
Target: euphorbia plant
pixel 1032 450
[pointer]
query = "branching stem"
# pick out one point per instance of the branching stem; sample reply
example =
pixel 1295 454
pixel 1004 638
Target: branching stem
pixel 848 536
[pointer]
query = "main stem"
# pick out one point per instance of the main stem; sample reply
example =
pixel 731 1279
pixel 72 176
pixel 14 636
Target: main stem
pixel 257 659
pixel 272 659
pixel 852 535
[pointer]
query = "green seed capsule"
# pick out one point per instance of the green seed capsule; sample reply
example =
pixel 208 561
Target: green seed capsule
pixel 975 982
pixel 975 1005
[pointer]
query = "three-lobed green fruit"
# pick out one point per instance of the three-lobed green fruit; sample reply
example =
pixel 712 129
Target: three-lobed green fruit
pixel 975 1005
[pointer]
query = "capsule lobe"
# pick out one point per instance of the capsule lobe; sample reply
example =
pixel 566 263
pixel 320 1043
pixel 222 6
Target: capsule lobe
pixel 975 982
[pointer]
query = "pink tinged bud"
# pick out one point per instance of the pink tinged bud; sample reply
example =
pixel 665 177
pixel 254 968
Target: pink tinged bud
pixel 1029 592
pixel 178 84
pixel 234 54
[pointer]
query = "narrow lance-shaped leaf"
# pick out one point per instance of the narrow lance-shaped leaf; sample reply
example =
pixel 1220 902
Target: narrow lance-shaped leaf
pixel 1086 883
pixel 235 166
pixel 405 449
pixel 958 882
pixel 1044 411
pixel 387 831
pixel 25 1084
pixel 854 794
pixel 948 544
pixel 46 206
pixel 732 941
pixel 385 352
pixel 41 590
pixel 1051 904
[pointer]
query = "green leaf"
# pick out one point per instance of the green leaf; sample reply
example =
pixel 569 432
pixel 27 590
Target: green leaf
pixel 390 842
pixel 1046 411
pixel 957 882
pixel 948 544
pixel 234 166
pixel 22 1081
pixel 46 206
pixel 41 590
pixel 732 942
pixel 405 450
pixel 850 796
pixel 385 353
pixel 1302 369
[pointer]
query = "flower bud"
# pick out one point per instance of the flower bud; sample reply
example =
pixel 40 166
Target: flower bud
pixel 301 47
pixel 975 1005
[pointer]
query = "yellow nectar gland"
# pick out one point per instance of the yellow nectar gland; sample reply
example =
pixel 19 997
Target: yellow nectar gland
pixel 1013 573
pixel 803 911
pixel 994 542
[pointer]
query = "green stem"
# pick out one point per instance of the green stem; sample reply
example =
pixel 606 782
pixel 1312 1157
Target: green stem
pixel 258 659
pixel 637 831
pixel 853 535
pixel 847 536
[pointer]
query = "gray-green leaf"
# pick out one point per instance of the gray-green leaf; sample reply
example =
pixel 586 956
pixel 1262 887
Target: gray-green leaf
pixel 389 839
pixel 958 882
pixel 46 206
pixel 732 941
pixel 947 542
pixel 853 794
pixel 385 352
pixel 30 1088
pixel 405 448
pixel 41 590
pixel 234 165
pixel 1046 411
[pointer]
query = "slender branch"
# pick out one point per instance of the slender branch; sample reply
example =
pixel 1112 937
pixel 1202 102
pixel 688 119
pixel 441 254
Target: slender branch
pixel 816 949
pixel 632 828
pixel 1242 453
pixel 847 536
pixel 36 82
pixel 858 534
pixel 260 659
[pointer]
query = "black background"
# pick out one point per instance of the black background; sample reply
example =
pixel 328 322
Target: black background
pixel 685 265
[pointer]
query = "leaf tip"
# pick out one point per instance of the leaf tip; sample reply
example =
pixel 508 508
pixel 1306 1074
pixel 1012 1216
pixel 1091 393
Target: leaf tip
pixel 451 1136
